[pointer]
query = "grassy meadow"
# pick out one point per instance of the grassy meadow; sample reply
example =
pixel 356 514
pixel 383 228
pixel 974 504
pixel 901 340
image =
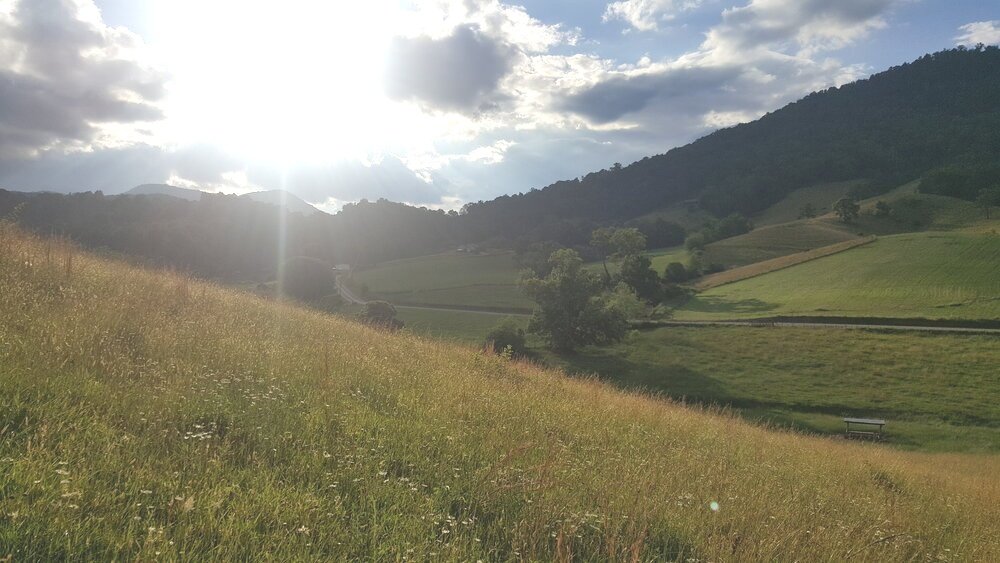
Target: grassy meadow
pixel 821 197
pixel 934 275
pixel 936 390
pixel 458 326
pixel 144 415
pixel 484 281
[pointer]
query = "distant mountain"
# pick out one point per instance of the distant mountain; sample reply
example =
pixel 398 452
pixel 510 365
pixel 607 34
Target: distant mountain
pixel 941 111
pixel 166 189
pixel 280 198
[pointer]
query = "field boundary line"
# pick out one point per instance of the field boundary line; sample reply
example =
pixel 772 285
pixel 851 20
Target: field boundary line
pixel 915 325
pixel 780 263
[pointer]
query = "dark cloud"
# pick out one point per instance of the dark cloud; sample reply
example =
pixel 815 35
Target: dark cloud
pixel 108 170
pixel 202 164
pixel 757 58
pixel 61 76
pixel 460 72
pixel 686 89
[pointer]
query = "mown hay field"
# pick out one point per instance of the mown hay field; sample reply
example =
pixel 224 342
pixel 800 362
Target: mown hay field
pixel 144 415
pixel 934 275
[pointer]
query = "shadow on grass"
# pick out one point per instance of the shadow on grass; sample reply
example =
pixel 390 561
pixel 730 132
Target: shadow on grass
pixel 667 380
pixel 681 383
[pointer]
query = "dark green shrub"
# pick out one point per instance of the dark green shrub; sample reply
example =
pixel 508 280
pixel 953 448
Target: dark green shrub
pixel 381 314
pixel 506 335
pixel 306 278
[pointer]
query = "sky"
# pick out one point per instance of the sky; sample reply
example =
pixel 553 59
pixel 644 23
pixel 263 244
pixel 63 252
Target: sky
pixel 433 103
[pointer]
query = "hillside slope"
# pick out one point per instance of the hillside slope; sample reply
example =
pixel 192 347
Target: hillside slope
pixel 281 198
pixel 890 128
pixel 146 415
pixel 934 275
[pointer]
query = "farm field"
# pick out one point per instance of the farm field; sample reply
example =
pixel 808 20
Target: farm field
pixel 810 378
pixel 475 281
pixel 759 268
pixel 147 415
pixel 766 243
pixel 910 212
pixel 932 275
pixel 459 326
pixel 486 281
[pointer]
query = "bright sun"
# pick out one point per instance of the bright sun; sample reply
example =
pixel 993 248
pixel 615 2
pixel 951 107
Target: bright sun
pixel 286 81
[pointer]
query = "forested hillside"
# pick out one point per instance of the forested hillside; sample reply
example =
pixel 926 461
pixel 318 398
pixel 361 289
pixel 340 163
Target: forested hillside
pixel 936 119
pixel 230 237
pixel 942 110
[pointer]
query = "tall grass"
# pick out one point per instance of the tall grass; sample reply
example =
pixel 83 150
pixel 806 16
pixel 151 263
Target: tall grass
pixel 146 415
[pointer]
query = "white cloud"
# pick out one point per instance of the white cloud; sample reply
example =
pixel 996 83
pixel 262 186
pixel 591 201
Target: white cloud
pixel 986 32
pixel 759 57
pixel 807 25
pixel 646 15
pixel 68 81
pixel 549 106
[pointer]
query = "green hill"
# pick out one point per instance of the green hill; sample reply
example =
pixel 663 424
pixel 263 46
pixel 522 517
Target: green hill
pixel 144 415
pixel 940 112
pixel 933 275
pixel 821 197
pixel 910 211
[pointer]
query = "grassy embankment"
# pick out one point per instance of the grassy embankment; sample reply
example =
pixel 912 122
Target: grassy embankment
pixel 145 415
pixel 930 275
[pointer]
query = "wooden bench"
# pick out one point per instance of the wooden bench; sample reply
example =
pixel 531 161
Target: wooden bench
pixel 867 428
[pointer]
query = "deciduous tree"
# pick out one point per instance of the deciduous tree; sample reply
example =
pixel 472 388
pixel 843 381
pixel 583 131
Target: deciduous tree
pixel 571 310
pixel 846 209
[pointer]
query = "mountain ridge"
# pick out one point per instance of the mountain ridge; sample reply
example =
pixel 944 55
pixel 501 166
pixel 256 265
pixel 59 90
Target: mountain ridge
pixel 890 128
pixel 280 198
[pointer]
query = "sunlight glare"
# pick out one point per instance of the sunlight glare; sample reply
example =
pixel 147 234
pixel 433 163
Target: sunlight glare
pixel 287 81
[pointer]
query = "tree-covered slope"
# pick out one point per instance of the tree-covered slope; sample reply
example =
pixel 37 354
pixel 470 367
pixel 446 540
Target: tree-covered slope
pixel 942 109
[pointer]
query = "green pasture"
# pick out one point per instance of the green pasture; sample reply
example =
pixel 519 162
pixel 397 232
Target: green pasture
pixel 933 275
pixel 938 391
